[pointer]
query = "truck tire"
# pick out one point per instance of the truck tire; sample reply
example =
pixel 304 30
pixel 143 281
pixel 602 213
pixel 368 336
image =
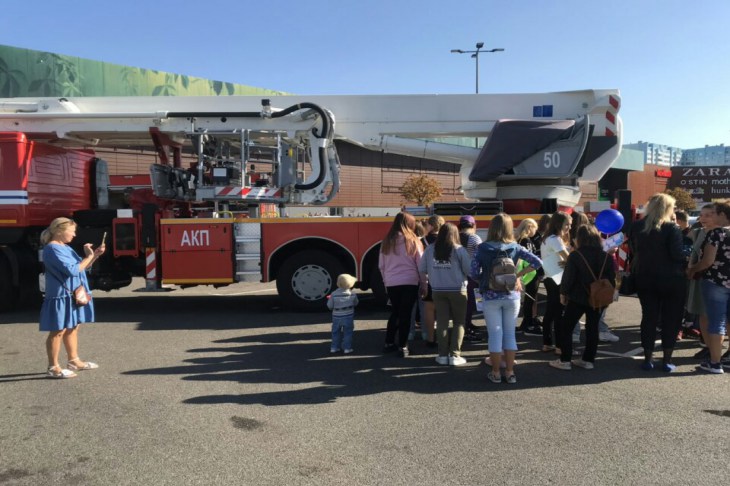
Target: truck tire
pixel 8 293
pixel 305 279
pixel 29 294
pixel 378 287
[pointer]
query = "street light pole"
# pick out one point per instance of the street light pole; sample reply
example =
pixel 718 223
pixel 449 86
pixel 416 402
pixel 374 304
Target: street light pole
pixel 475 55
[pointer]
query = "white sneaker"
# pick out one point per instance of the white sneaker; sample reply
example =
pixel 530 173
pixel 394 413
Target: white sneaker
pixel 456 361
pixel 583 364
pixel 348 351
pixel 607 337
pixel 442 360
pixel 560 365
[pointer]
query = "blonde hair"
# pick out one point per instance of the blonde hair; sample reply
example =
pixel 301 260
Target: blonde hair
pixel 346 281
pixel 435 221
pixel 57 226
pixel 524 228
pixel 501 229
pixel 659 210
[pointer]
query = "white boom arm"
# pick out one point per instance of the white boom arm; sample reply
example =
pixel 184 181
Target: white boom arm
pixel 296 128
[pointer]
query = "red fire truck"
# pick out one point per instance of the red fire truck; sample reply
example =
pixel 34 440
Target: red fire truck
pixel 201 222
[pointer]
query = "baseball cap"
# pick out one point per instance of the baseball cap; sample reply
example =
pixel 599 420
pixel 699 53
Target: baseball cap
pixel 467 219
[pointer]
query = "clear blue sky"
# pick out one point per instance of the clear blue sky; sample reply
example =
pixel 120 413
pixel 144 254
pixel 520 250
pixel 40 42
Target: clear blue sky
pixel 669 58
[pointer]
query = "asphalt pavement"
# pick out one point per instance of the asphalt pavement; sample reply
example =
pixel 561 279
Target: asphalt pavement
pixel 225 386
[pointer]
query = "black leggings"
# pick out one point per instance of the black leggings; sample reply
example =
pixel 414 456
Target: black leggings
pixel 553 314
pixel 528 303
pixel 471 304
pixel 573 312
pixel 402 298
pixel 664 308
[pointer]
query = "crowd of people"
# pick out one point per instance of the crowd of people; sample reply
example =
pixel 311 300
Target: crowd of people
pixel 435 273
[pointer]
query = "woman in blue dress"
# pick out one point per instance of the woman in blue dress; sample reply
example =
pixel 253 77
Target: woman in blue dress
pixel 60 315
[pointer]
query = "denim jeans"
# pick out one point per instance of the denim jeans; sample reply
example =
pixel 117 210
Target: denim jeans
pixel 717 305
pixel 501 318
pixel 343 327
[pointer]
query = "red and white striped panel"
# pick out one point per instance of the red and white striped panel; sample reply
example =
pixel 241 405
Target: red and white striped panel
pixel 248 192
pixel 614 104
pixel 622 256
pixel 150 264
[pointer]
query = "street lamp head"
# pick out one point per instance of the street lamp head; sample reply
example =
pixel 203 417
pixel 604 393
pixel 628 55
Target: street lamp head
pixel 474 55
pixel 480 45
pixel 457 51
pixel 499 49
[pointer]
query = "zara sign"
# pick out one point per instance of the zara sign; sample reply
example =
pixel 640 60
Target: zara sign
pixel 704 183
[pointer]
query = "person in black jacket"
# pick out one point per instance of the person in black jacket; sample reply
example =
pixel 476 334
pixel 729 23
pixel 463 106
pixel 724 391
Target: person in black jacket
pixel 658 263
pixel 577 277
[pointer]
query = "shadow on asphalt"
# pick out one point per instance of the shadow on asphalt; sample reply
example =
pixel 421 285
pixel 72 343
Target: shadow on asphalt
pixel 300 363
pixel 163 313
pixel 23 377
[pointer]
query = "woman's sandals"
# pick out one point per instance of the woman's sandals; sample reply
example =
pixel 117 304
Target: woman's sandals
pixel 58 372
pixel 88 365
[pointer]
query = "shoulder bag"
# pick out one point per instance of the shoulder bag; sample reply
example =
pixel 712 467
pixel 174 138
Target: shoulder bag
pixel 80 295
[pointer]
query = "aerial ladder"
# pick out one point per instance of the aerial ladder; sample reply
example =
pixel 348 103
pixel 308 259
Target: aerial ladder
pixel 538 145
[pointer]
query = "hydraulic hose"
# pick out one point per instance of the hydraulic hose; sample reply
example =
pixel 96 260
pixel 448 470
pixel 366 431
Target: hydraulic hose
pixel 327 127
pixel 326 121
pixel 322 172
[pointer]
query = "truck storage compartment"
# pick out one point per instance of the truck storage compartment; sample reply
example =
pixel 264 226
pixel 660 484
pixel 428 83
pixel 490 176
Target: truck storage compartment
pixel 196 251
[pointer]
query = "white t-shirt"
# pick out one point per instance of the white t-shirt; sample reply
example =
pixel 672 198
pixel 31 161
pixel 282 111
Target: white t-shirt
pixel 549 250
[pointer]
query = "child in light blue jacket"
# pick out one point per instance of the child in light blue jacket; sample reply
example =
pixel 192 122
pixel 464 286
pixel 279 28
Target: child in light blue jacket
pixel 342 302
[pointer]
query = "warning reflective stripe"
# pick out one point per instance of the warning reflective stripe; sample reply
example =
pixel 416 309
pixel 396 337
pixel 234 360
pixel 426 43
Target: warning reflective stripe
pixel 13 197
pixel 151 264
pixel 248 192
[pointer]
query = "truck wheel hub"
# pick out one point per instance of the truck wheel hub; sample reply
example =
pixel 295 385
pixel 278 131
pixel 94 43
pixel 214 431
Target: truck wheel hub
pixel 311 282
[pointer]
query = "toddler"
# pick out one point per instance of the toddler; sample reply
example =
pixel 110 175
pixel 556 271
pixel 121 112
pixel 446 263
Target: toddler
pixel 342 302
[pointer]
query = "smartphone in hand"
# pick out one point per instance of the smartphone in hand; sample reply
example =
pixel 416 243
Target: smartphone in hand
pixel 103 239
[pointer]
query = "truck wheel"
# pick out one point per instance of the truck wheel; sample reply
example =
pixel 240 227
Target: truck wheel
pixel 378 287
pixel 8 293
pixel 305 279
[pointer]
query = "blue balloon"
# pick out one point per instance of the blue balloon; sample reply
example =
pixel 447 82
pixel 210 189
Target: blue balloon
pixel 609 221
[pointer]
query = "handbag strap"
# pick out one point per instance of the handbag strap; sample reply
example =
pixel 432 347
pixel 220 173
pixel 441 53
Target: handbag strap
pixel 589 267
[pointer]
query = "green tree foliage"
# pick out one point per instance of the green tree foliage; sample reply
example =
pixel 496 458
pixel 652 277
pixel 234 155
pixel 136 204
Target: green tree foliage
pixel 684 198
pixel 421 189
